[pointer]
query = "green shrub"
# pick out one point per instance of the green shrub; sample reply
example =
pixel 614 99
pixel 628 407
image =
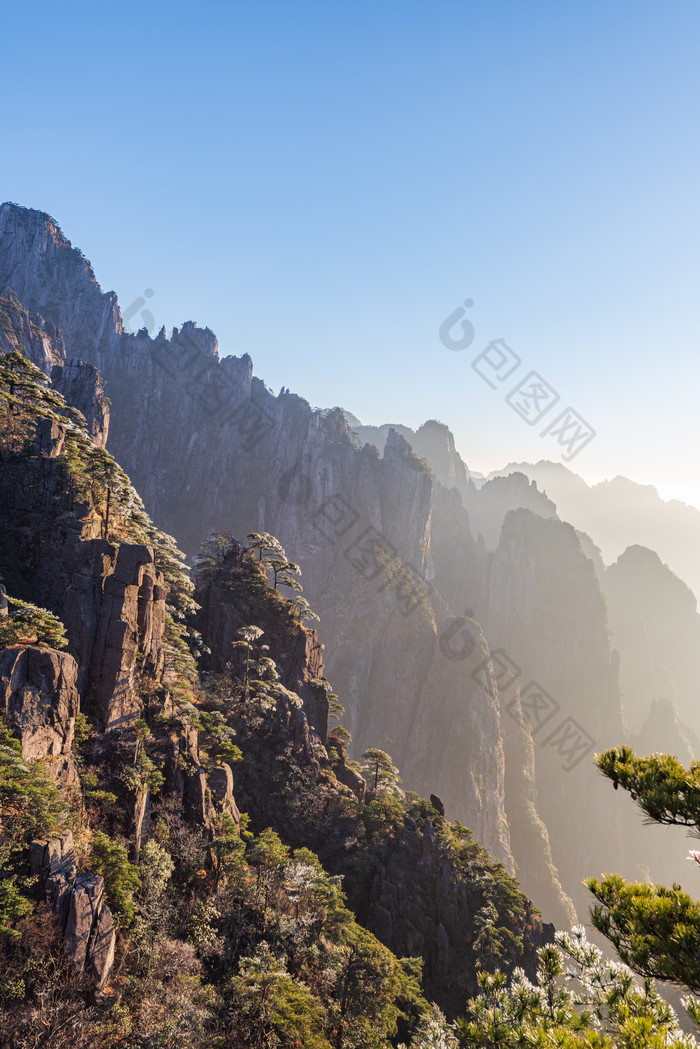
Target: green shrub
pixel 110 859
pixel 27 622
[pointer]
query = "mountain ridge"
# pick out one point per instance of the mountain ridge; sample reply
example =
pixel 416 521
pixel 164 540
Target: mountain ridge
pixel 390 561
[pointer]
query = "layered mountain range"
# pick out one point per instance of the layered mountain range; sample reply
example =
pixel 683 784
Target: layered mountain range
pixel 471 631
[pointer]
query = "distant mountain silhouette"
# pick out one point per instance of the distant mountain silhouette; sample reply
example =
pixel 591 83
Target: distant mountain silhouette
pixel 621 513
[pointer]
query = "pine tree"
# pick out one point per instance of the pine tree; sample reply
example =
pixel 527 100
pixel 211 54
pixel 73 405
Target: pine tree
pixel 28 624
pixel 382 775
pixel 654 929
pixel 579 999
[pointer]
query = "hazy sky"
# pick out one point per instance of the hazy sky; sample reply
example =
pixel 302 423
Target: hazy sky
pixel 323 184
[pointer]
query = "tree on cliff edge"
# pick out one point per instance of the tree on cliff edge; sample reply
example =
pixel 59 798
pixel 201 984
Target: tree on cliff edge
pixel 382 775
pixel 654 929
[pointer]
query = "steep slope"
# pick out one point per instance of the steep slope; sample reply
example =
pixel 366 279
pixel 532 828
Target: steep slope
pixel 416 881
pixel 620 513
pixel 656 628
pixel 387 551
pixel 209 447
pixel 432 442
pixel 204 906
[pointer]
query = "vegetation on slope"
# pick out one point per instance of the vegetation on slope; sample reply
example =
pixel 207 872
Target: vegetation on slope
pixel 263 929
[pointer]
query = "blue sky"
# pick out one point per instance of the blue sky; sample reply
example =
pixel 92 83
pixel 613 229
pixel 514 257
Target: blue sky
pixel 324 183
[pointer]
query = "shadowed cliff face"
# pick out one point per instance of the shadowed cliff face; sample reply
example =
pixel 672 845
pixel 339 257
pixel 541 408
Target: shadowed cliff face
pixel 109 595
pixel 413 607
pixel 432 442
pixel 620 513
pixel 420 887
pixel 209 448
pixel 543 611
pixel 655 623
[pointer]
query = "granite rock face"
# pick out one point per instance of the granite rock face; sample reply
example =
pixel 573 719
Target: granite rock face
pixel 68 294
pixel 546 620
pixel 433 442
pixel 39 699
pixel 111 600
pixel 422 579
pixel 220 781
pixel 109 595
pixel 489 504
pixel 129 623
pixel 40 343
pixel 619 513
pixel 81 385
pixel 84 918
pixel 226 607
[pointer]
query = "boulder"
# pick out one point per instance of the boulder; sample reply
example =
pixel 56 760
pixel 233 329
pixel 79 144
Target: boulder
pixel 83 909
pixel 101 948
pixel 220 781
pixel 39 699
pixel 84 918
pixel 50 438
pixel 81 384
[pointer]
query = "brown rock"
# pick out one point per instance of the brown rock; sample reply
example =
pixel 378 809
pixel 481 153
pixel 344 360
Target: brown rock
pixel 81 385
pixel 83 916
pixel 220 780
pixel 50 438
pixel 85 901
pixel 195 798
pixel 101 948
pixel 118 637
pixel 40 701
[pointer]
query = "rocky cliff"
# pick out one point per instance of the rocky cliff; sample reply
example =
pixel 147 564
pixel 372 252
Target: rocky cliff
pixel 280 467
pixel 619 513
pixel 150 776
pixel 421 885
pixel 415 605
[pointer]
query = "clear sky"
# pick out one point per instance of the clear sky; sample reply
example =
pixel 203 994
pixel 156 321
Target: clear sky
pixel 323 184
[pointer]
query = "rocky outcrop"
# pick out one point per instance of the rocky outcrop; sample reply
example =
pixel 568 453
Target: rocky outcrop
pixel 346 775
pixel 81 385
pixel 433 442
pixel 39 699
pixel 220 780
pixel 414 606
pixel 620 513
pixel 109 595
pixel 546 622
pixel 489 504
pixel 420 905
pixel 226 599
pixel 84 918
pixel 129 624
pixel 67 294
pixel 40 343
pixel 112 601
